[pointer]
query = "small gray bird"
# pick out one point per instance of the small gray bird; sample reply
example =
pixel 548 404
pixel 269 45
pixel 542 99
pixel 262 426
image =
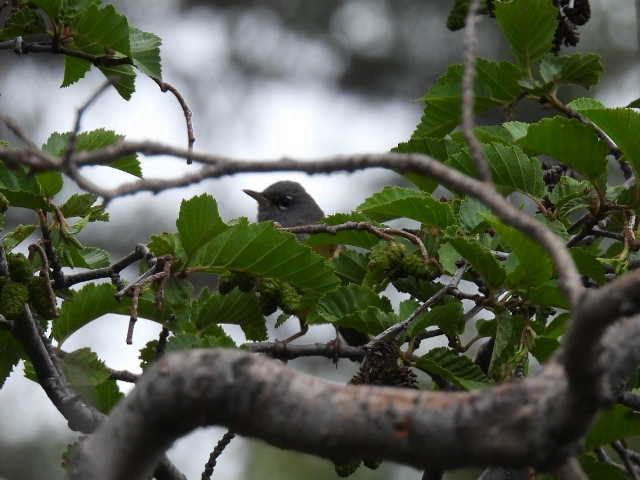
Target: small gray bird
pixel 287 203
pixel 290 205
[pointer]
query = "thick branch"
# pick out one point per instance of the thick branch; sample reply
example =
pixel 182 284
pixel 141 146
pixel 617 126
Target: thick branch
pixel 513 424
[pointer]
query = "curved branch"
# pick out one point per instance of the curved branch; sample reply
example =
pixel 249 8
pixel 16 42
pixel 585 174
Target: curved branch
pixel 531 422
pixel 470 47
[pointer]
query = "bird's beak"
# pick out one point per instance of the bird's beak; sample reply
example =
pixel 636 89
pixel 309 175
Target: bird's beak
pixel 257 196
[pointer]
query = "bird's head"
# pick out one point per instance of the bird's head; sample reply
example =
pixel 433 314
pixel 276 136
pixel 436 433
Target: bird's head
pixel 287 203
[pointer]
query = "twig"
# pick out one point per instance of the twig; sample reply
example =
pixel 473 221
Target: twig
pixel 606 234
pixel 44 273
pixel 124 376
pixel 395 330
pixel 18 132
pixel 384 233
pixel 4 266
pixel 164 86
pixel 283 351
pixel 133 316
pixel 162 342
pixel 5 324
pixel 108 272
pixel 217 451
pixel 71 144
pixel 628 465
pixel 468 100
pixel 56 269
pixel 24 47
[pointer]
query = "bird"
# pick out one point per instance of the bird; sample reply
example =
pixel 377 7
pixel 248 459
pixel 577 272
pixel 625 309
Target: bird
pixel 288 203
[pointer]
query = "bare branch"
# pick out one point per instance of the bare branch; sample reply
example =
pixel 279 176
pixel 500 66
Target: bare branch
pixel 71 144
pixel 23 47
pixel 138 253
pixel 381 232
pixel 420 428
pixel 468 101
pixel 164 86
pixel 81 416
pixel 285 351
pixel 217 451
pixel 395 330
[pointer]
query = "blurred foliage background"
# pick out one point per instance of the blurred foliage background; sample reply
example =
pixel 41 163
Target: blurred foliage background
pixel 264 78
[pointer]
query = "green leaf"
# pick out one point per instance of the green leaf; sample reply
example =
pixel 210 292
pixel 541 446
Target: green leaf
pixel 187 341
pixel 529 26
pixel 123 79
pixel 480 259
pixel 617 423
pixel 356 307
pixel 74 69
pixel 351 266
pixel 454 367
pixel 17 236
pixel 10 354
pixel 433 147
pixel 52 7
pixel 472 213
pixel 51 182
pixel 508 339
pixel 511 168
pixel 91 257
pixel 78 205
pixel 620 124
pixel 21 189
pixel 370 320
pixel 586 103
pixel 235 307
pixel 145 52
pixel 547 293
pixel 448 258
pixel 398 202
pixel 89 376
pixel 94 140
pixel 532 265
pixel 261 249
pixel 588 264
pixel 544 348
pixel 23 22
pixel 166 244
pixel 634 104
pixel 496 85
pixel 85 305
pixel 571 142
pixel 517 130
pixel 449 317
pixel 578 69
pixel 570 195
pixel 101 30
pixel 198 222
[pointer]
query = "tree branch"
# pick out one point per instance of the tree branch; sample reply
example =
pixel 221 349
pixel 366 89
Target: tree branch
pixel 468 101
pixel 513 424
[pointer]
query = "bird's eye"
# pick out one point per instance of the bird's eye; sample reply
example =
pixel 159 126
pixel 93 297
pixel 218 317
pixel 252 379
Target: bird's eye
pixel 284 202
